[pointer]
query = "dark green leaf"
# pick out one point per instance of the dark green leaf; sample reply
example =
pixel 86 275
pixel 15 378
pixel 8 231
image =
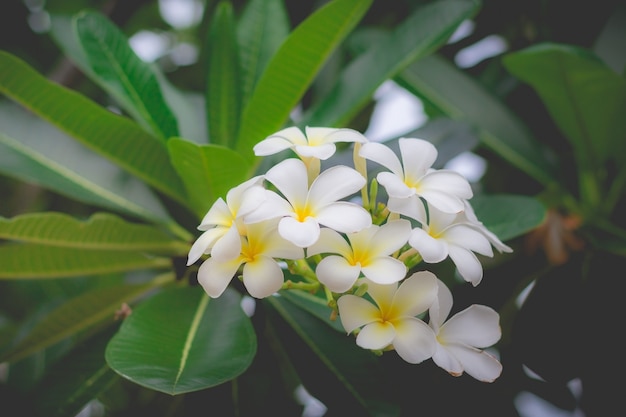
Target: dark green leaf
pixel 208 171
pixel 21 261
pixel 420 34
pixel 291 71
pixel 117 138
pixel 129 79
pixel 181 341
pixel 508 216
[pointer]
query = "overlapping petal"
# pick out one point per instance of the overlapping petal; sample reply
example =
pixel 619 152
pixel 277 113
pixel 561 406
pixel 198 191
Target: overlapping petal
pixel 355 312
pixel 214 275
pixel 337 273
pixel 414 340
pixel 262 277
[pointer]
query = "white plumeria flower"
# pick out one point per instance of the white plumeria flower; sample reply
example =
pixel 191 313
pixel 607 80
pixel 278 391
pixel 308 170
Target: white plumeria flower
pixel 319 142
pixel 470 216
pixel 462 337
pixel 413 177
pixel 262 275
pixel 367 251
pixel 392 322
pixel 220 224
pixel 303 210
pixel 452 235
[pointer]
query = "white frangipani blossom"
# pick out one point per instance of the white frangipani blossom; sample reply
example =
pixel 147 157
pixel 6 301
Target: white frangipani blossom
pixel 392 322
pixel 462 337
pixel 220 224
pixel 304 209
pixel 262 275
pixel 366 251
pixel 413 177
pixel 452 235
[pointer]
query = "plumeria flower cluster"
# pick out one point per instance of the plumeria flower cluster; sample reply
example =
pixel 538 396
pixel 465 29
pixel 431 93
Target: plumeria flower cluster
pixel 328 227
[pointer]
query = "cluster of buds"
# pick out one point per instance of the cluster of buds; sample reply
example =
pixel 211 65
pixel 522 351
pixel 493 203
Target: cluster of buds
pixel 358 251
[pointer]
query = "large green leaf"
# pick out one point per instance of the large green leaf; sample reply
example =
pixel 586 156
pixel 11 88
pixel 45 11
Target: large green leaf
pixel 332 367
pixel 459 96
pixel 223 84
pixel 100 231
pixel 508 216
pixel 424 31
pixel 291 71
pixel 124 75
pixel 75 316
pixel 208 171
pixel 26 260
pixel 116 137
pixel 262 27
pixel 181 341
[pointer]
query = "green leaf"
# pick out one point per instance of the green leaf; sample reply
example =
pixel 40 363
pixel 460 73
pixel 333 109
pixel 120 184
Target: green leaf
pixel 456 94
pixel 124 75
pixel 223 84
pixel 428 28
pixel 76 380
pixel 100 231
pixel 508 216
pixel 181 341
pixel 332 367
pixel 75 316
pixel 116 137
pixel 208 171
pixel 262 27
pixel 291 71
pixel 26 260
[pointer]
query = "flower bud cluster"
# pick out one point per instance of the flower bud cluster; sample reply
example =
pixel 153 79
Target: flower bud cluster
pixel 330 230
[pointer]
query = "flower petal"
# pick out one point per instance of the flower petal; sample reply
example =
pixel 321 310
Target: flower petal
pixel 228 246
pixel 445 190
pixel 415 340
pixel 333 184
pixel 355 312
pixel 439 310
pixel 385 270
pixel 467 237
pixel 344 217
pixel 218 215
pixel 272 207
pixel 431 250
pixel 394 185
pixel 321 135
pixel 410 206
pixel 280 141
pixel 214 276
pixel 322 152
pixel 337 274
pixel 383 155
pixel 418 155
pixel 204 242
pixel 330 242
pixel 290 178
pixel 376 335
pixel 479 364
pixel 477 326
pixel 263 277
pixel 444 359
pixel 467 264
pixel 390 237
pixel 301 234
pixel 415 295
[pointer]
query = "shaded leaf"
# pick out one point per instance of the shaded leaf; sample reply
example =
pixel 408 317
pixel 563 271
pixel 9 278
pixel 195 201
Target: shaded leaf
pixel 291 71
pixel 181 341
pixel 128 78
pixel 208 171
pixel 428 28
pixel 100 231
pixel 26 260
pixel 115 137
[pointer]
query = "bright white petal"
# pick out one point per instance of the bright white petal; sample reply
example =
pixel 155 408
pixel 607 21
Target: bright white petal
pixel 290 178
pixel 479 364
pixel 385 270
pixel 445 190
pixel 219 214
pixel 415 341
pixel 381 294
pixel 432 250
pixel 301 234
pixel 448 362
pixel 467 264
pixel 271 145
pixel 355 312
pixel 390 237
pixel 263 277
pixel 376 335
pixel 272 207
pixel 344 217
pixel 411 207
pixel 418 156
pixel 204 242
pixel 477 326
pixel 252 198
pixel 334 184
pixel 415 295
pixel 330 242
pixel 394 185
pixel 337 274
pixel 214 276
pixel 320 135
pixel 383 155
pixel 321 152
pixel 440 309
pixel 469 238
pixel 228 246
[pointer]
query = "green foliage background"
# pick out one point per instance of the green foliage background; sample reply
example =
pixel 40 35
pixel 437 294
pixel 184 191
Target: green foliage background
pixel 99 207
